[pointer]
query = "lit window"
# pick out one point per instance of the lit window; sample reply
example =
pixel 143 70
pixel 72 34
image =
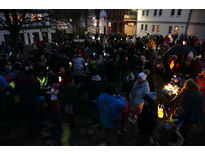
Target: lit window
pixel 176 29
pixel 179 12
pixel 158 28
pixel 143 13
pixel 170 29
pixel 160 12
pixel 130 24
pixel 172 12
pixel 155 12
pixel 109 24
pixel 153 28
pixel 147 13
pixel 142 26
pixel 33 17
pixel 146 27
pixel 39 16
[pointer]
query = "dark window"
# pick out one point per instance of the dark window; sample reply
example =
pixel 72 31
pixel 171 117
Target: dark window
pixel 170 29
pixel 142 13
pixel 173 11
pixel 115 27
pixel 142 26
pixel 155 12
pixel 121 27
pixel 179 12
pixel 160 12
pixel 147 13
pixel 145 27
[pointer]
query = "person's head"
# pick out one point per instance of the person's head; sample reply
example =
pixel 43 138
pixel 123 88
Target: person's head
pixel 191 85
pixel 110 88
pixel 149 99
pixel 143 76
pixel 190 56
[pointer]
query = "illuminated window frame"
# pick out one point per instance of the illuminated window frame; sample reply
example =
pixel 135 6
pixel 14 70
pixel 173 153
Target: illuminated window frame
pixel 158 28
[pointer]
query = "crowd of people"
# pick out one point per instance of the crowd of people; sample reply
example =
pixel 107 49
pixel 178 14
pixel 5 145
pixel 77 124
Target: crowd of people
pixel 119 74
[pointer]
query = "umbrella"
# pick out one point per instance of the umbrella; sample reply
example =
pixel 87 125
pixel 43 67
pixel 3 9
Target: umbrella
pixel 179 50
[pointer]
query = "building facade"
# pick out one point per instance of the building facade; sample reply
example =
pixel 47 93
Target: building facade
pixel 196 24
pixel 174 21
pixel 162 21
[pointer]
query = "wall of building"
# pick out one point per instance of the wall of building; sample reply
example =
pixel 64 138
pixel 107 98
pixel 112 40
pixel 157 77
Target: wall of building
pixel 130 29
pixel 165 17
pixel 164 28
pixel 197 24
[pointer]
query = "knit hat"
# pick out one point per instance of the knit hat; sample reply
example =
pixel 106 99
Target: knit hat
pixel 96 78
pixel 190 55
pixel 142 75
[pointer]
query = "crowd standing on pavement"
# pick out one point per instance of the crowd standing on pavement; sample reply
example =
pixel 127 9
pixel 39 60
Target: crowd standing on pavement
pixel 120 75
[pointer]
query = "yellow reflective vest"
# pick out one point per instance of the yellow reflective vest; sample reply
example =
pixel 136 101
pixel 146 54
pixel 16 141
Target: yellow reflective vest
pixel 12 84
pixel 44 83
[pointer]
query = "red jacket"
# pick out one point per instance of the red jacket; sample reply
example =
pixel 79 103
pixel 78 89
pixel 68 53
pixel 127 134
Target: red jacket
pixel 201 81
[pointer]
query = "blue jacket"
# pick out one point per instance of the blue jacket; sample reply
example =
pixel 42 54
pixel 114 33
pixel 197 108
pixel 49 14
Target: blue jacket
pixel 114 104
pixel 3 83
pixel 137 94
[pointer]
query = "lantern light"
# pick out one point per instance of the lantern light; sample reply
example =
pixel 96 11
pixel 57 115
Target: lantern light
pixel 59 79
pixel 70 64
pixel 172 64
pixel 160 112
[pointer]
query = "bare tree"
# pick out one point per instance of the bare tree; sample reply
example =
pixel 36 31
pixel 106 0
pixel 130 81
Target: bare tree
pixel 13 20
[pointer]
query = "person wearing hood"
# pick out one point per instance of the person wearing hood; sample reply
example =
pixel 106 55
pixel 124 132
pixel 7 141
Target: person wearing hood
pixel 110 106
pixel 95 88
pixel 148 118
pixel 139 90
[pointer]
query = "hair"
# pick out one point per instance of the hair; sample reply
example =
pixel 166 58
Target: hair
pixel 110 88
pixel 147 71
pixel 191 85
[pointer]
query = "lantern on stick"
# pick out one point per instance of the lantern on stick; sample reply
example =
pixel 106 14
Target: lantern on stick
pixel 160 112
pixel 172 64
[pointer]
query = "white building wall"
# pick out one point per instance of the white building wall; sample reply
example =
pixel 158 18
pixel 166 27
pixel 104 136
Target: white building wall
pixel 166 15
pixel 165 20
pixel 164 28
pixel 197 24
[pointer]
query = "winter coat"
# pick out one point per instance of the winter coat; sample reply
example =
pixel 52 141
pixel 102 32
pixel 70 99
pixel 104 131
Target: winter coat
pixel 137 94
pixel 114 105
pixel 192 103
pixel 3 83
pixel 78 63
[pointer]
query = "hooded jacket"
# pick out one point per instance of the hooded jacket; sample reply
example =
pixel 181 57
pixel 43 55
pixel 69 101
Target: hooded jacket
pixel 137 94
pixel 114 104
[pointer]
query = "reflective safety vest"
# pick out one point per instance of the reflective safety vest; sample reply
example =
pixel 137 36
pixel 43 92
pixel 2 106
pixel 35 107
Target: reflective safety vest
pixel 44 83
pixel 201 81
pixel 12 84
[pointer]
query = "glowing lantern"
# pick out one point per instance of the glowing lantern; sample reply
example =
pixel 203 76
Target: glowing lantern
pixel 172 64
pixel 59 79
pixel 160 112
pixel 171 89
pixel 70 64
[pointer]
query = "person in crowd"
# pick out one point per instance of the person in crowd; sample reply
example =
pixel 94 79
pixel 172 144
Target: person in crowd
pixel 200 79
pixel 188 66
pixel 3 100
pixel 95 88
pixel 148 118
pixel 78 67
pixel 110 105
pixel 191 100
pixel 28 89
pixel 139 90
